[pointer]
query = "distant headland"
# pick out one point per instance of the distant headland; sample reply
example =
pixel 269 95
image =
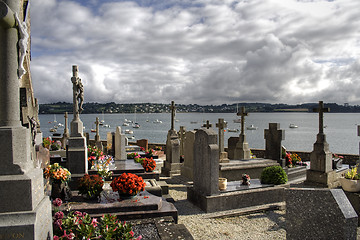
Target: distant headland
pixel 61 107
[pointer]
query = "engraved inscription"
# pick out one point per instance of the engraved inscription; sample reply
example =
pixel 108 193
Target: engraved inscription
pixel 17 235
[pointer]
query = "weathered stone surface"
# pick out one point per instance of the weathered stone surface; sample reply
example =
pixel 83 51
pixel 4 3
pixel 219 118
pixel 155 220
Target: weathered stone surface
pixel 120 152
pixel 188 166
pixel 273 137
pixel 319 214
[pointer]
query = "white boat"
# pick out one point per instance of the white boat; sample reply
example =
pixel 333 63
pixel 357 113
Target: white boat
pixel 52 130
pixel 232 130
pixel 157 121
pixel 125 124
pixel 193 122
pixel 60 125
pixel 136 125
pixel 292 125
pixel 251 127
pixel 238 120
pixel 128 131
pixel 106 125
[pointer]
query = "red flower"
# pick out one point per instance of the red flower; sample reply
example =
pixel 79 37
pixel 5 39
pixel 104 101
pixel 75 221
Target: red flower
pixel 149 164
pixel 128 183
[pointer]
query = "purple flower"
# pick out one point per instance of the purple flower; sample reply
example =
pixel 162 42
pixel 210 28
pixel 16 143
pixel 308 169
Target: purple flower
pixel 59 215
pixel 58 223
pixel 77 213
pixel 57 202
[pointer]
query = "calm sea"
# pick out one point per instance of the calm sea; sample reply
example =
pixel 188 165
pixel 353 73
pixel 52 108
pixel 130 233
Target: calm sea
pixel 341 128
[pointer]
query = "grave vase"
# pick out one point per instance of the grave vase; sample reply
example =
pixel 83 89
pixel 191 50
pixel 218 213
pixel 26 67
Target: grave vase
pixel 57 190
pixel 126 196
pixel 350 185
pixel 222 184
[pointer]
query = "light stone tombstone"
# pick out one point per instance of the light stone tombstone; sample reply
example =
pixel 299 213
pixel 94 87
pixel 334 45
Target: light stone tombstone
pixel 273 137
pixel 77 159
pixel 206 163
pixel 188 166
pixel 321 171
pixel 120 152
pixel 172 164
pixel 242 150
pixel 222 154
pixel 25 212
pixel 182 133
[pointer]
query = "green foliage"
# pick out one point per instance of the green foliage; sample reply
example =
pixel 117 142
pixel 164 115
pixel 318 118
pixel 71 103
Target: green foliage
pixel 273 175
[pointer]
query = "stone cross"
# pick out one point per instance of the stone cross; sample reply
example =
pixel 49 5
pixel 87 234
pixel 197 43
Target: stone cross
pixel 243 114
pixel 97 136
pixel 273 137
pixel 207 124
pixel 78 92
pixel 221 125
pixel 182 139
pixel 172 108
pixel 321 111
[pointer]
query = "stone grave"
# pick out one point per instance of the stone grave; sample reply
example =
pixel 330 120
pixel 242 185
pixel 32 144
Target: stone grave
pixel 77 160
pixel 182 136
pixel 110 143
pixel 25 212
pixel 120 152
pixel 319 214
pixel 273 137
pixel 144 143
pixel 205 192
pixel 242 150
pixel 321 171
pixel 187 167
pixel 172 164
pixel 97 138
pixel 222 154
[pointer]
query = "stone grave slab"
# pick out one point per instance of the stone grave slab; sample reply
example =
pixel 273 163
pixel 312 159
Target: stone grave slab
pixel 235 168
pixel 145 205
pixel 327 214
pixel 132 148
pixel 236 186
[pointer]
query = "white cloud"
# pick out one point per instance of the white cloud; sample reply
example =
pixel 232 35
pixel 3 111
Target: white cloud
pixel 205 52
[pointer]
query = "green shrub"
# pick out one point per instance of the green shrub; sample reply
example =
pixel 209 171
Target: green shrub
pixel 273 175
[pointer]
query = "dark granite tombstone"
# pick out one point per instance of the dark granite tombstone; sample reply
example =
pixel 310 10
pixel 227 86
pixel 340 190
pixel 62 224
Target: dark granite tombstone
pixel 273 137
pixel 319 214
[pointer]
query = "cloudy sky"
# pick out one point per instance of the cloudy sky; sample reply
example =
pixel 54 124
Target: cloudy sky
pixel 197 51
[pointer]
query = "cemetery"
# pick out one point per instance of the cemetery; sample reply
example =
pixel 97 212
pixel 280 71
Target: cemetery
pixel 71 186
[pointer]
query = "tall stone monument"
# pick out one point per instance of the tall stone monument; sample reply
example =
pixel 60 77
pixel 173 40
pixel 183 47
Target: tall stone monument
pixel 120 151
pixel 242 150
pixel 273 137
pixel 66 133
pixel 98 143
pixel 188 166
pixel 172 163
pixel 222 154
pixel 321 172
pixel 25 212
pixel 182 133
pixel 77 161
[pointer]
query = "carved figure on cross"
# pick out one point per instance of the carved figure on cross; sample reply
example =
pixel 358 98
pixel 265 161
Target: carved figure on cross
pixel 242 114
pixel 321 111
pixel 173 109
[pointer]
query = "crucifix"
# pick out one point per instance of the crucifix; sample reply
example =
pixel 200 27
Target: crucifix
pixel 78 92
pixel 321 111
pixel 242 113
pixel 207 124
pixel 172 108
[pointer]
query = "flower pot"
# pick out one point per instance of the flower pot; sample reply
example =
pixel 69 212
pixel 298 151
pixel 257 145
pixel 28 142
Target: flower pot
pixel 57 190
pixel 125 196
pixel 350 185
pixel 222 184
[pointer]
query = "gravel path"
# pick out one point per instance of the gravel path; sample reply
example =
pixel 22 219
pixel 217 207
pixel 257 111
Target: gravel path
pixel 266 225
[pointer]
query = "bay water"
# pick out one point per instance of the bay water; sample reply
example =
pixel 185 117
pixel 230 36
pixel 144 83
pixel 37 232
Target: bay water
pixel 341 128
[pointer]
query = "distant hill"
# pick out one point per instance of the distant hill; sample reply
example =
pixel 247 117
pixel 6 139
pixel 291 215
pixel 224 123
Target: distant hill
pixel 61 107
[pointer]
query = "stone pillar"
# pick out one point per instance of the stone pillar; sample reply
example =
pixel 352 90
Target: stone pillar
pixel 97 139
pixel 182 133
pixel 206 163
pixel 188 167
pixel 321 172
pixel 77 159
pixel 242 150
pixel 120 152
pixel 66 134
pixel 222 154
pixel 24 209
pixel 273 137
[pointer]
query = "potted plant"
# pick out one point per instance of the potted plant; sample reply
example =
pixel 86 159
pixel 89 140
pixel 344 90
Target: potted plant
pixel 350 182
pixel 128 185
pixel 59 177
pixel 102 166
pixel 90 186
pixel 245 179
pixel 149 164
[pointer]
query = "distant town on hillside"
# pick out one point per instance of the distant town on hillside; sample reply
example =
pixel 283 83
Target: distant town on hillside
pixel 61 107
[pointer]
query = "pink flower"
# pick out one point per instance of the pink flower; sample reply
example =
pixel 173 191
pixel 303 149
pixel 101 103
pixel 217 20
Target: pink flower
pixel 56 237
pixel 131 233
pixel 57 202
pixel 58 223
pixel 94 222
pixel 59 215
